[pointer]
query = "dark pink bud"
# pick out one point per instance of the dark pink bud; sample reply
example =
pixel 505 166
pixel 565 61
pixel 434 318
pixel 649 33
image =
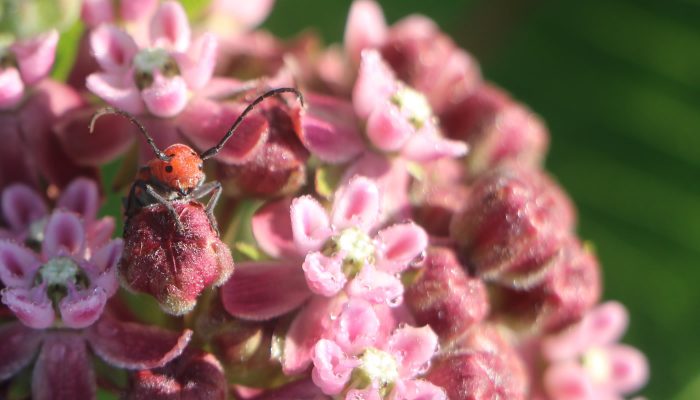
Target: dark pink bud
pixel 194 375
pixel 481 366
pixel 571 287
pixel 497 130
pixel 444 297
pixel 513 226
pixel 174 267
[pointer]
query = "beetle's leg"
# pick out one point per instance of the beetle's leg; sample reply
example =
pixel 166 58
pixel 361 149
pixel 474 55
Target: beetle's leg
pixel 215 189
pixel 162 200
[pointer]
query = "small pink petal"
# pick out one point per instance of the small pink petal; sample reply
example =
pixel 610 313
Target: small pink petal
pixel 272 229
pixel 375 84
pixel 63 370
pixel 413 348
pixel 370 393
pixel 96 12
pixel 170 28
pixel 166 97
pixel 356 205
pixel 134 10
pixel 253 291
pixel 399 245
pixel 35 56
pixel 113 49
pixel 63 235
pixel 378 287
pixel 324 275
pixel 32 307
pixel 357 327
pixel 131 345
pixel 197 65
pixel 248 13
pixel 11 88
pixel 387 128
pixel 330 129
pixel 18 344
pixel 332 367
pixel 427 145
pixel 116 90
pixel 21 206
pixel 365 28
pixel 105 262
pixel 17 265
pixel 99 232
pixel 81 309
pixel 82 197
pixel 605 324
pixel 629 369
pixel 568 381
pixel 417 390
pixel 310 224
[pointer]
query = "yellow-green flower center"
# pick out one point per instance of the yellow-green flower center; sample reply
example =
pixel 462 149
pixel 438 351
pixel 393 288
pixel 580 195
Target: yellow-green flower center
pixel 597 363
pixel 413 105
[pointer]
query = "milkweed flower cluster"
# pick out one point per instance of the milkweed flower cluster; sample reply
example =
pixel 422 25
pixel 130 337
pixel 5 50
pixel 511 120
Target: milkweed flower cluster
pixel 392 235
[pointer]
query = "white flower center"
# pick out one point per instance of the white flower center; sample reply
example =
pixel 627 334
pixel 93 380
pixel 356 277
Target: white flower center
pixel 597 363
pixel 148 60
pixel 356 245
pixel 413 105
pixel 59 271
pixel 379 366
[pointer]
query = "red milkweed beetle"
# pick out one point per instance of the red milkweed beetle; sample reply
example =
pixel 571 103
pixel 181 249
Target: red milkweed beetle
pixel 178 172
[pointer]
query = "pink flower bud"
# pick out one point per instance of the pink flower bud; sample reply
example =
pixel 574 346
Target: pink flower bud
pixel 174 267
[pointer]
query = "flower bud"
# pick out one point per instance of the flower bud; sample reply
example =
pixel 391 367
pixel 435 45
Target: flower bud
pixel 173 266
pixel 481 366
pixel 513 226
pixel 444 297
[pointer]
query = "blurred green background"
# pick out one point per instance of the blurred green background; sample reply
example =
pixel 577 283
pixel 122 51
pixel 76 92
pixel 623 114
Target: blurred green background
pixel 618 83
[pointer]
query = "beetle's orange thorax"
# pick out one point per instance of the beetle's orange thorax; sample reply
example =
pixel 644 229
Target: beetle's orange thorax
pixel 183 172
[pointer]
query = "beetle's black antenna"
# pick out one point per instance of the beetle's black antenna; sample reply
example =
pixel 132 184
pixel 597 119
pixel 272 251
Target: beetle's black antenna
pixel 133 120
pixel 212 152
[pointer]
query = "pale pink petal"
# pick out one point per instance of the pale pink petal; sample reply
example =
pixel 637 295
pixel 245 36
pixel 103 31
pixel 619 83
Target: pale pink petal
pixel 413 348
pixel 170 28
pixel 324 275
pixel 399 245
pixel 605 324
pixel 375 84
pixel 378 287
pixel 332 367
pixel 566 344
pixel 117 91
pixel 17 265
pixel 134 10
pixel 330 129
pixel 81 196
pixel 417 390
pixel 357 327
pixel 96 12
pixel 272 229
pixel 32 307
pixel 313 323
pixel 248 13
pixel 387 128
pixel 35 56
pixel 356 205
pixel 629 368
pixel 365 28
pixel 18 344
pixel 310 224
pixel 568 381
pixel 253 291
pixel 104 261
pixel 21 206
pixel 63 370
pixel 99 232
pixel 63 235
pixel 197 65
pixel 166 97
pixel 11 88
pixel 113 49
pixel 370 393
pixel 427 145
pixel 81 309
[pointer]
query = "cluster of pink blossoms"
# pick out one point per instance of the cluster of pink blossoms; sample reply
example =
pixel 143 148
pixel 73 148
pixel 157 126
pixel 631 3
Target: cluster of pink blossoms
pixel 394 234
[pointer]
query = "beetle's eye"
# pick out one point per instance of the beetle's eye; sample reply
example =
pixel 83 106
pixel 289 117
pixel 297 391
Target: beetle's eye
pixel 168 168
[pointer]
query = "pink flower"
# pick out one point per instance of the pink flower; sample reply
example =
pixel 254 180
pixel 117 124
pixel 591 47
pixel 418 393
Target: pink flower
pixel 586 362
pixel 24 63
pixel 159 76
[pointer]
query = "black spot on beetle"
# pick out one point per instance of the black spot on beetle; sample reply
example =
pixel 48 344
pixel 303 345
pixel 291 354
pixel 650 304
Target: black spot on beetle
pixel 168 168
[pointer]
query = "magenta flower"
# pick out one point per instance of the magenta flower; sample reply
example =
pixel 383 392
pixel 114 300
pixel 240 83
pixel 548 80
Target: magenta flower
pixel 379 369
pixel 22 64
pixel 586 362
pixel 158 76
